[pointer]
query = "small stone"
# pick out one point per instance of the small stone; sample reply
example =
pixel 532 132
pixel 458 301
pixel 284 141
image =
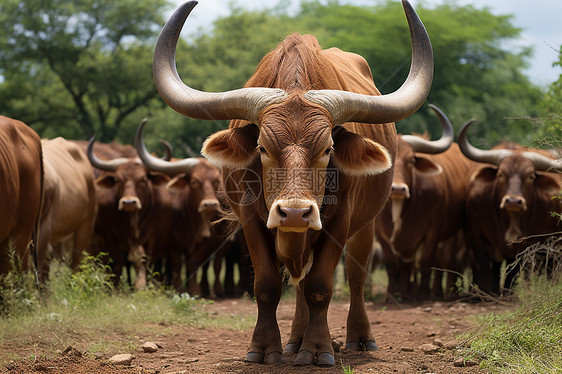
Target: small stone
pixel 406 349
pixel 450 345
pixel 123 359
pixel 429 349
pixel 462 362
pixel 149 347
pixel 438 342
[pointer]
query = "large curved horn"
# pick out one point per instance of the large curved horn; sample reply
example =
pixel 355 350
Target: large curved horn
pixel 543 163
pixel 244 103
pixel 436 146
pixel 157 164
pixel 493 156
pixel 110 165
pixel 353 107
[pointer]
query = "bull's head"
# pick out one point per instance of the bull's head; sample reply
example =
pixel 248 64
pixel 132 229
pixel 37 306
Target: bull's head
pixel 513 177
pixel 197 177
pixel 294 130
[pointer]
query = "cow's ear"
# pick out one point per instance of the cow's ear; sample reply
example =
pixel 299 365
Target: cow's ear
pixel 427 167
pixel 546 183
pixel 158 178
pixel 106 181
pixel 486 174
pixel 234 147
pixel 179 182
pixel 356 155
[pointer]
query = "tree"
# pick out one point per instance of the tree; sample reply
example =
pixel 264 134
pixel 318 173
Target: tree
pixel 550 129
pixel 73 67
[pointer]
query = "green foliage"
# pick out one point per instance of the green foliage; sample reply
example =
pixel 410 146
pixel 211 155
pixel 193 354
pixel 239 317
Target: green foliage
pixel 73 68
pixel 18 291
pixel 527 339
pixel 550 129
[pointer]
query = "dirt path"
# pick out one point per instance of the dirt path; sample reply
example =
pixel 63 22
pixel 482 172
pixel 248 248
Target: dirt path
pixel 401 332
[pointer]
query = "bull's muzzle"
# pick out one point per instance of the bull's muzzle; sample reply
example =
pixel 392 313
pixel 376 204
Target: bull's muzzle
pixel 129 204
pixel 209 205
pixel 294 216
pixel 399 191
pixel 513 203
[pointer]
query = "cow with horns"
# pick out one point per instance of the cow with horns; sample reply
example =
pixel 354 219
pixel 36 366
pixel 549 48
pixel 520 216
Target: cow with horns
pixel 21 179
pixel 194 204
pixel 305 117
pixel 510 197
pixel 426 207
pixel 133 207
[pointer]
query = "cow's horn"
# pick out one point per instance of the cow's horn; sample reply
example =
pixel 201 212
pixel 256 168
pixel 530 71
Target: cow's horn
pixel 353 107
pixel 110 165
pixel 543 163
pixel 244 103
pixel 436 146
pixel 157 164
pixel 167 149
pixel 492 156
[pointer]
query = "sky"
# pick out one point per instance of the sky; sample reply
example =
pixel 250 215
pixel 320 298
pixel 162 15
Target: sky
pixel 540 21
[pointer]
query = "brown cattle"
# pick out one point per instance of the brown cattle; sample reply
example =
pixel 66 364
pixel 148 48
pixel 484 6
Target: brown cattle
pixel 309 121
pixel 426 204
pixel 194 204
pixel 133 207
pixel 508 199
pixel 69 201
pixel 21 177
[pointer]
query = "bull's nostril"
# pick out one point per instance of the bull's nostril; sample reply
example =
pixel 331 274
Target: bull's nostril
pixel 281 212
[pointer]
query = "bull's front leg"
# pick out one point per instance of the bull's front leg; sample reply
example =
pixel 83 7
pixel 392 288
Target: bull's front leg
pixel 316 347
pixel 266 340
pixel 359 334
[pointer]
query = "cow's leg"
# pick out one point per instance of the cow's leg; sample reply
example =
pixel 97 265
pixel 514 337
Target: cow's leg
pixel 138 257
pixel 266 339
pixel 510 275
pixel 317 344
pixel 300 321
pixel 82 238
pixel 359 334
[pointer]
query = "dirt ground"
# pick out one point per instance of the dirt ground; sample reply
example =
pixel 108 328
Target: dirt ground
pixel 402 332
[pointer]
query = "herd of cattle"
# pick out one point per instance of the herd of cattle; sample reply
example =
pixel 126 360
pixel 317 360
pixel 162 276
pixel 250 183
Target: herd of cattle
pixel 306 115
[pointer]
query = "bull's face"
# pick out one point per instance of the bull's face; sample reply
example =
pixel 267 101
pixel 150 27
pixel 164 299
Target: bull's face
pixel 294 143
pixel 201 185
pixel 127 185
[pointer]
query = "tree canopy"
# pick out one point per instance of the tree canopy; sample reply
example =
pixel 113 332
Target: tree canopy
pixel 73 68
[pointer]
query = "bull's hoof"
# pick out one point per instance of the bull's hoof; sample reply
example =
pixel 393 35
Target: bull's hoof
pixel 254 357
pixel 325 359
pixel 274 358
pixel 304 358
pixel 291 348
pixel 371 345
pixel 353 346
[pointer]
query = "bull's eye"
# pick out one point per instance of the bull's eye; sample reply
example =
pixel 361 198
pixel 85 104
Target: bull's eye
pixel 262 150
pixel 532 177
pixel 329 151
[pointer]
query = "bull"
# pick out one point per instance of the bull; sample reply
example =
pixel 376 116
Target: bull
pixel 21 179
pixel 305 115
pixel 133 207
pixel 194 202
pixel 426 205
pixel 69 202
pixel 510 197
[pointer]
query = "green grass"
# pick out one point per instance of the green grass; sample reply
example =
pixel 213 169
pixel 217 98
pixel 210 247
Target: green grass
pixel 83 309
pixel 527 339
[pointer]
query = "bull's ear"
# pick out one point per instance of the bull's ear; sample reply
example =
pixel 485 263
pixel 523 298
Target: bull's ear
pixel 547 184
pixel 179 182
pixel 158 179
pixel 356 155
pixel 106 181
pixel 234 147
pixel 486 174
pixel 427 167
